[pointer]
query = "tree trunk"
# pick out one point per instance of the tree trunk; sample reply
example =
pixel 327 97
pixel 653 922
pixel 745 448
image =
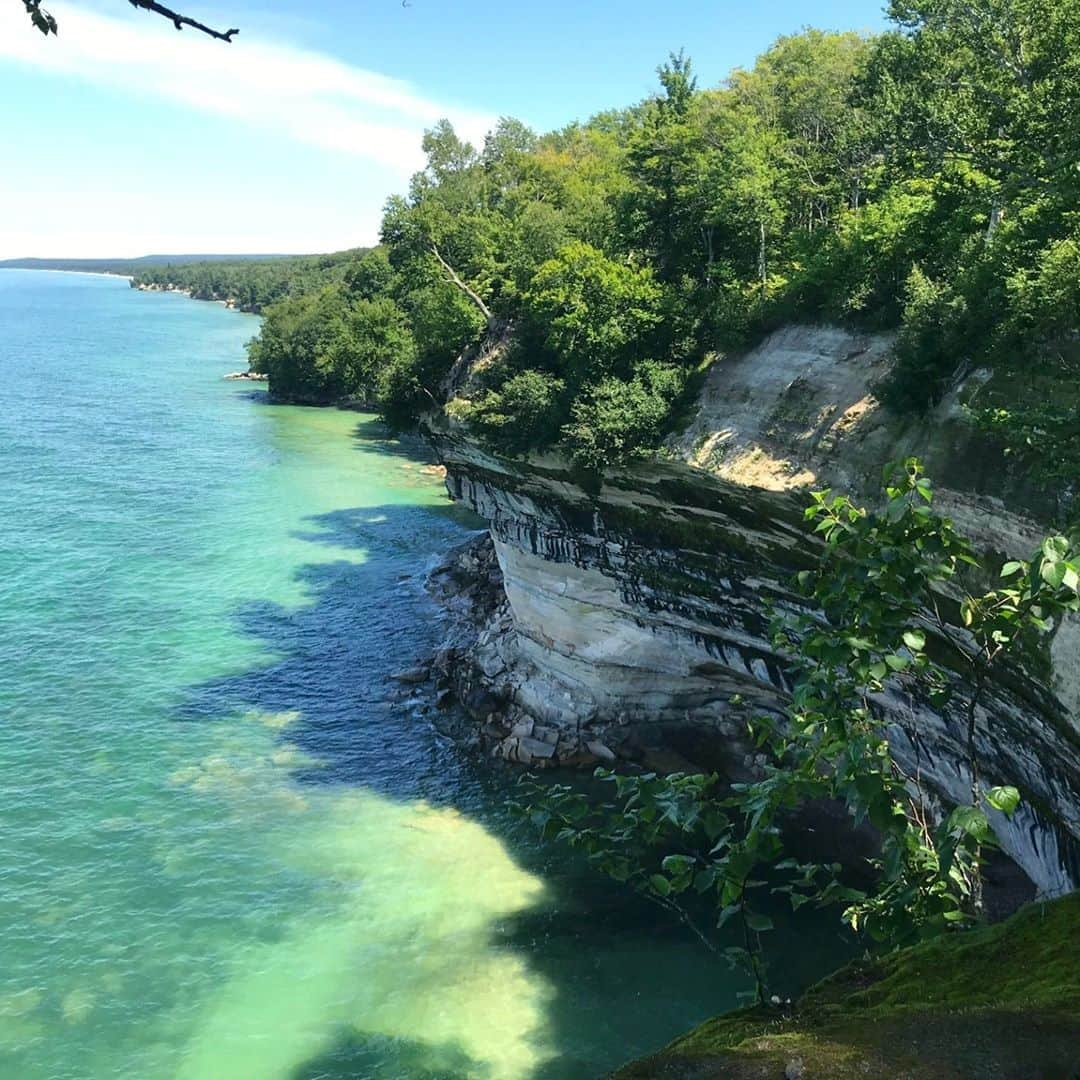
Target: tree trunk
pixel 470 293
pixel 762 265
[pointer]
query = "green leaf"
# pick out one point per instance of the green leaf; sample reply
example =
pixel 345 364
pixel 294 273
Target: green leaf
pixel 1011 568
pixel 1005 799
pixel 969 820
pixel 660 885
pixel 758 923
pixel 705 879
pixel 726 914
pixel 677 864
pixel 1055 547
pixel 1053 573
pixel 915 640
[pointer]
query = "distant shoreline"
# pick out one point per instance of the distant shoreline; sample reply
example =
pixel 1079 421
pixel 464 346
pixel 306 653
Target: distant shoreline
pixel 46 270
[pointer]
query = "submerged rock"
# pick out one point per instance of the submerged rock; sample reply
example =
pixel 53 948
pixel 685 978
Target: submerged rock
pixel 77 1006
pixel 413 676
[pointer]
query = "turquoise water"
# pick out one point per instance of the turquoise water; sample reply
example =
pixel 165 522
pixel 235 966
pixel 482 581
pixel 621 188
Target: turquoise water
pixel 228 850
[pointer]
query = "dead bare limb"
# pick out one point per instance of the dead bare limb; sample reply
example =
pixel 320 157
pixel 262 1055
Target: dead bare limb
pixel 470 293
pixel 47 24
pixel 180 21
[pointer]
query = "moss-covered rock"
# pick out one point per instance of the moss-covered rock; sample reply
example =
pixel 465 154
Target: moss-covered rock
pixel 1003 1001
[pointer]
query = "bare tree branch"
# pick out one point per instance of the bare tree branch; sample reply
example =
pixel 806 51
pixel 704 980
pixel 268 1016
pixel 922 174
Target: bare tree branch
pixel 180 21
pixel 46 23
pixel 470 293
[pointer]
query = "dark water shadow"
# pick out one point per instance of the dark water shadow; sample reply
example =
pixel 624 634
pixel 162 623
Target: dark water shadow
pixel 333 658
pixel 355 1055
pixel 372 434
pixel 364 528
pixel 615 965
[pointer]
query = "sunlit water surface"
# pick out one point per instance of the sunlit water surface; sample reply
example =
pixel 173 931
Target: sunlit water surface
pixel 228 848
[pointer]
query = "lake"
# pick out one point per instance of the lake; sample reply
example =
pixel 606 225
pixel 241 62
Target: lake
pixel 230 846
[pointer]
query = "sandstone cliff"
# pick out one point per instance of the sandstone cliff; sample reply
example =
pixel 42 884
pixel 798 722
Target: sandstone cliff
pixel 635 618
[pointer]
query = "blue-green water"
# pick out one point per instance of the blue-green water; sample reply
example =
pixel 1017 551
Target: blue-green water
pixel 227 850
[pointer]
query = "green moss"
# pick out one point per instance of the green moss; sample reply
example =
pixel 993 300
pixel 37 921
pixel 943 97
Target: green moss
pixel 999 1001
pixel 1030 961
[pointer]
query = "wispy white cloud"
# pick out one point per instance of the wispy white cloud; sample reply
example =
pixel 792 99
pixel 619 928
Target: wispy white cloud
pixel 305 96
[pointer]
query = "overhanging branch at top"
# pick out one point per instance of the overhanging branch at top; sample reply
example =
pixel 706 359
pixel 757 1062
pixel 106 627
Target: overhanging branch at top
pixel 47 24
pixel 180 21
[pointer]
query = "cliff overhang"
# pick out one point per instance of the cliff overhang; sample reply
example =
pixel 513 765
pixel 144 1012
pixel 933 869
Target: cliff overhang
pixel 636 616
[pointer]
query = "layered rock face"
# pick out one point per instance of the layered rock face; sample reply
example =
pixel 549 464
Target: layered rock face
pixel 636 612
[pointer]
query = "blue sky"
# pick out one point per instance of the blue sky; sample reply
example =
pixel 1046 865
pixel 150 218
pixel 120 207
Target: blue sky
pixel 123 137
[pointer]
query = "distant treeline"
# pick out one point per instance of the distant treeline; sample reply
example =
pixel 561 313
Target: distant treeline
pixel 127 266
pixel 250 284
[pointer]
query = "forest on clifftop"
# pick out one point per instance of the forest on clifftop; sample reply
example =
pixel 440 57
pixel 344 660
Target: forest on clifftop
pixel 923 180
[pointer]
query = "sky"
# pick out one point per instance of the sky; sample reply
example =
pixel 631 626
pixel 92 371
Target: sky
pixel 121 137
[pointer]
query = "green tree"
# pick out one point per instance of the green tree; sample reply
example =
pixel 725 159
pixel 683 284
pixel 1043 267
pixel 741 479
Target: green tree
pixel 593 315
pixel 659 157
pixel 987 82
pixel 298 345
pixel 375 334
pixel 619 419
pixel 443 323
pixel 371 275
pixel 524 413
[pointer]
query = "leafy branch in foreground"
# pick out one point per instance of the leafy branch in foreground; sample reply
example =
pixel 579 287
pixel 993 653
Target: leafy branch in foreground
pixel 879 628
pixel 46 22
pixel 885 580
pixel 674 840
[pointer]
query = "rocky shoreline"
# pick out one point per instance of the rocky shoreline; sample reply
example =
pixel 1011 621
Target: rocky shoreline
pixel 873 1017
pixel 226 301
pixel 482 668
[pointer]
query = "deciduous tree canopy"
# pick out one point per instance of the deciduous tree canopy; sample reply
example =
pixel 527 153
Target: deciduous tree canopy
pixel 924 179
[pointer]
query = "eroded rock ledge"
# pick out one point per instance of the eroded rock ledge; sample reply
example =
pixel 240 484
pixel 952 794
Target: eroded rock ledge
pixel 634 618
pixel 482 664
